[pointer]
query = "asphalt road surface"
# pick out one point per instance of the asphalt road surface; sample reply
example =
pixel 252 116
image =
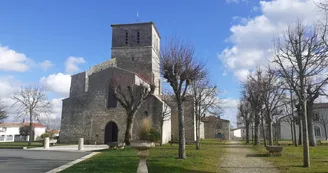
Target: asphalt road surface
pixel 25 161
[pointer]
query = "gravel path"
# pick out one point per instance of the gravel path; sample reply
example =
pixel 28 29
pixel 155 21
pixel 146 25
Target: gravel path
pixel 241 159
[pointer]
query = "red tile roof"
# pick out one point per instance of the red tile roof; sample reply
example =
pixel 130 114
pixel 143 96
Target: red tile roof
pixel 13 124
pixel 320 105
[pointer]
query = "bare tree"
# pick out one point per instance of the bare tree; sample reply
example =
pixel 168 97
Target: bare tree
pixel 245 114
pixel 50 123
pixel 273 92
pixel 302 55
pixel 252 92
pixel 3 112
pixel 323 120
pixel 32 102
pixel 131 97
pixel 204 97
pixel 179 68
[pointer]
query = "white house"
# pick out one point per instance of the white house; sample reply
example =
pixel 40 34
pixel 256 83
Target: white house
pixel 320 111
pixel 8 131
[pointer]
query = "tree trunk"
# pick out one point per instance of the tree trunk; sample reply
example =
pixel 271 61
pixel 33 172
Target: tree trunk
pixel 270 133
pixel 128 131
pixel 252 133
pixel 263 131
pixel 247 132
pixel 30 129
pixel 295 136
pixel 291 130
pixel 256 135
pixel 306 152
pixel 197 134
pixel 182 139
pixel 300 130
pixel 312 140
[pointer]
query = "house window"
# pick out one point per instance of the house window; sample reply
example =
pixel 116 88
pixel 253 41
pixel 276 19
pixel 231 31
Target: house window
pixel 138 37
pixel 317 131
pixel 316 116
pixel 111 100
pixel 126 37
pixel 9 138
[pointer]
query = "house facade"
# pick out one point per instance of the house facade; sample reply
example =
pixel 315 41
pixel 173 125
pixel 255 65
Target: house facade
pixel 9 132
pixel 320 129
pixel 215 127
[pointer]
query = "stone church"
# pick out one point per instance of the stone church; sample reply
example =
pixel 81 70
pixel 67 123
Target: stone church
pixel 92 112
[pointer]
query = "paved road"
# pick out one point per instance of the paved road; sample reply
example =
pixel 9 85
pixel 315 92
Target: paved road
pixel 26 161
pixel 241 159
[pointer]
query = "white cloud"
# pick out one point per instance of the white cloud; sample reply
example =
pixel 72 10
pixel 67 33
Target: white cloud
pixel 252 41
pixel 11 60
pixel 56 108
pixel 45 65
pixel 58 83
pixel 72 63
pixel 230 110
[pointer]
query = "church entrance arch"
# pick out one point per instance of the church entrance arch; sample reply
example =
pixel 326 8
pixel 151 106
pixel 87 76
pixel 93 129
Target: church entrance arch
pixel 111 132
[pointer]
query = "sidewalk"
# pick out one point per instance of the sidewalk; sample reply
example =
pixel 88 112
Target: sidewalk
pixel 73 148
pixel 241 159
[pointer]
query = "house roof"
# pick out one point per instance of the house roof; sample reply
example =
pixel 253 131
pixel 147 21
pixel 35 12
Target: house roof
pixel 320 105
pixel 213 118
pixel 15 124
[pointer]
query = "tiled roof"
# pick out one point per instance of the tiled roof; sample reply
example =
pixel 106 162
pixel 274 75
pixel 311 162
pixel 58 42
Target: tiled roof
pixel 320 105
pixel 13 124
pixel 213 118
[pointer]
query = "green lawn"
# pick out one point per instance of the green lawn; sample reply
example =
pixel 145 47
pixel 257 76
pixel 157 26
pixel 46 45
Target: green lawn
pixel 162 159
pixel 292 159
pixel 19 145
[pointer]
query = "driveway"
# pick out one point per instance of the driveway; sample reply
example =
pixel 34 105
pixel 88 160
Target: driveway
pixel 28 161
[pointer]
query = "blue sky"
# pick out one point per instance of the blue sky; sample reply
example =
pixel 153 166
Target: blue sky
pixel 42 35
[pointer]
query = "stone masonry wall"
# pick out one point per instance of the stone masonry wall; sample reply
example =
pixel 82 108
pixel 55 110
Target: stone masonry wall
pixel 188 121
pixel 86 115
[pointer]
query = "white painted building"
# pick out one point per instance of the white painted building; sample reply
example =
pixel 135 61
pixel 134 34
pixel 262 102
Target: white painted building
pixel 8 131
pixel 320 110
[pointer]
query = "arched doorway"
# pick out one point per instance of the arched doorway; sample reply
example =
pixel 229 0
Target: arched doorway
pixel 111 132
pixel 219 135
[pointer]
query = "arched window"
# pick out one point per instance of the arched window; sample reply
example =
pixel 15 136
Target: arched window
pixel 317 131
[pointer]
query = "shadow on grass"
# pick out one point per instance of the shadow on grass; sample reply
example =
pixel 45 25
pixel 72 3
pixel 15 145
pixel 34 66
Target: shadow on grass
pixel 257 155
pixel 154 167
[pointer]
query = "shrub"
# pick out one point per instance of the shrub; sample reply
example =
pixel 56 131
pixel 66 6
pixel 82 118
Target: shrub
pixel 147 133
pixel 144 129
pixel 154 135
pixel 47 134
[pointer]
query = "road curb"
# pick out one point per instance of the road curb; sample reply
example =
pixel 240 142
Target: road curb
pixel 67 165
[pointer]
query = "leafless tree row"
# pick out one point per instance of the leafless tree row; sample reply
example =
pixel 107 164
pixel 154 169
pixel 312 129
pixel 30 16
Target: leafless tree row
pixel 300 62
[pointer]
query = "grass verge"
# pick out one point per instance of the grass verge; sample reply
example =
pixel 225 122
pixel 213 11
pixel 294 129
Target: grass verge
pixel 162 159
pixel 292 159
pixel 19 145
